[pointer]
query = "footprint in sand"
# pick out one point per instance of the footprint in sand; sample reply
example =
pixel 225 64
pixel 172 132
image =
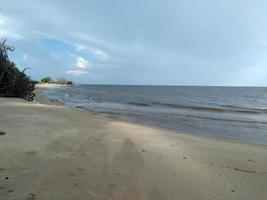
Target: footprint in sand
pixel 30 196
pixel 5 189
pixel 71 174
pixel 80 169
pixel 31 153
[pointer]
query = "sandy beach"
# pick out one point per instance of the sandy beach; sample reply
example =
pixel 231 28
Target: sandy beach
pixel 50 152
pixel 50 85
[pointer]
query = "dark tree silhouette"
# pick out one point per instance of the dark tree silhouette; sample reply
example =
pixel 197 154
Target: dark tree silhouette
pixel 13 82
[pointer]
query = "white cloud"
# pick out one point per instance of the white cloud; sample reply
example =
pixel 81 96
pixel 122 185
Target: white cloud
pixel 10 35
pixel 2 21
pixel 9 28
pixel 99 54
pixel 77 72
pixel 82 66
pixel 81 63
pixel 90 39
pixel 80 47
pixel 25 57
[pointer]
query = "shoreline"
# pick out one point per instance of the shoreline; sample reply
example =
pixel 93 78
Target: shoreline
pixel 42 99
pixel 51 85
pixel 48 149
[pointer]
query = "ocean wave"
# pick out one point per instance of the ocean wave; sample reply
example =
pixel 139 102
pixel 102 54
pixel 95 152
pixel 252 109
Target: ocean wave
pixel 227 120
pixel 223 109
pixel 227 109
pixel 146 104
pixel 172 117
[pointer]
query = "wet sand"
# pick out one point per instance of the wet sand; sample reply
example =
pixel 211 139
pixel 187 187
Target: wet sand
pixel 50 152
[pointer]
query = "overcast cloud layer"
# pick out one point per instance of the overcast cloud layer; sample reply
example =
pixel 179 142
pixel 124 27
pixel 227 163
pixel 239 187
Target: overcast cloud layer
pixel 170 42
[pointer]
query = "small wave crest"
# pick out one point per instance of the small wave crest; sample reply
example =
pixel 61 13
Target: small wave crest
pixel 145 104
pixel 223 109
pixel 226 109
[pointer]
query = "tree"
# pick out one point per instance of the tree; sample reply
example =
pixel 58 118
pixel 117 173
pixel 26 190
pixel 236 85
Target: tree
pixel 46 80
pixel 61 80
pixel 13 82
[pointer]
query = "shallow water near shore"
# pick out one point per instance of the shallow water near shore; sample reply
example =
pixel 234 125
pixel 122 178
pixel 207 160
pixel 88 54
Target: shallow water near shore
pixel 238 113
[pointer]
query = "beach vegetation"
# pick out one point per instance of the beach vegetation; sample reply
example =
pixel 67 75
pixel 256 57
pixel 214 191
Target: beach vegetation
pixel 60 81
pixel 13 82
pixel 63 81
pixel 46 80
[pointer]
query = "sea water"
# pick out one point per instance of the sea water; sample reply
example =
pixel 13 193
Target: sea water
pixel 236 113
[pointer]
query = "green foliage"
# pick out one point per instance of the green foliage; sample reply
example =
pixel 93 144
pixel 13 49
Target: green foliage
pixel 46 80
pixel 61 81
pixel 13 82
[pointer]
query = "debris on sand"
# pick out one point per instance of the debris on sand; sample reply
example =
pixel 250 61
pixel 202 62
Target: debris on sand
pixel 245 171
pixel 2 132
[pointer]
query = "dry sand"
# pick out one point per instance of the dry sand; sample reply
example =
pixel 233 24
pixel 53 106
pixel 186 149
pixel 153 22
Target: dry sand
pixel 50 85
pixel 51 152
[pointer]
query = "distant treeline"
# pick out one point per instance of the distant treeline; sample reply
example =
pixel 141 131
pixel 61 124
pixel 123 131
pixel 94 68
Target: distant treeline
pixel 61 81
pixel 13 82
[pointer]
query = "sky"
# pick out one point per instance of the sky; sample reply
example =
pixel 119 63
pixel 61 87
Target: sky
pixel 154 42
